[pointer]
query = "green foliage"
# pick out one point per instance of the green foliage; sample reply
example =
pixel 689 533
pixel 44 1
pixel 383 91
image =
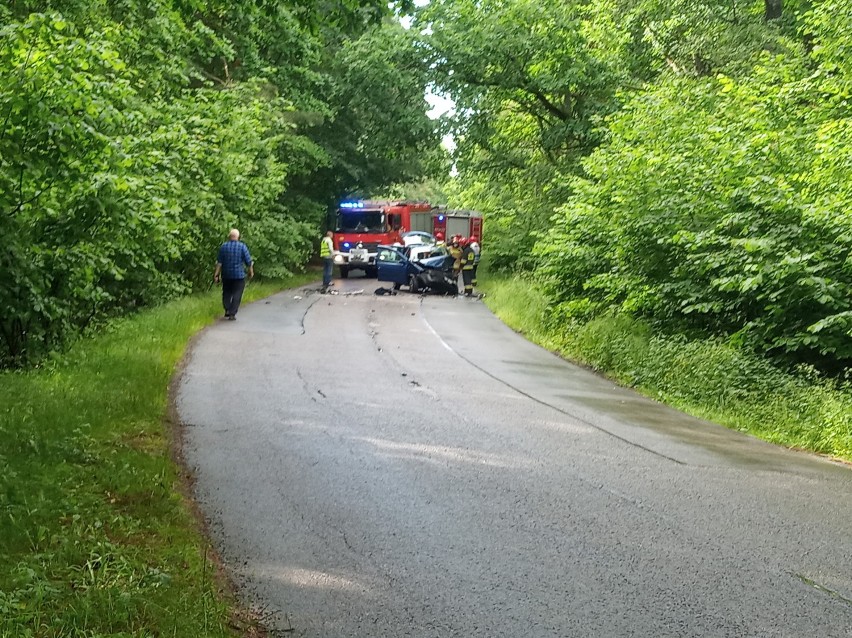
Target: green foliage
pixel 712 222
pixel 64 101
pixel 429 190
pixel 714 380
pixel 516 208
pixel 531 59
pixel 379 134
pixel 709 36
pixel 530 82
pixel 111 202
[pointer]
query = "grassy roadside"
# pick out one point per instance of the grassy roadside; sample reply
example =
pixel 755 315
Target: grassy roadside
pixel 95 537
pixel 708 379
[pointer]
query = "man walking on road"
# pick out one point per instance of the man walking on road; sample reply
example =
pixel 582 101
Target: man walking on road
pixel 231 265
pixel 327 254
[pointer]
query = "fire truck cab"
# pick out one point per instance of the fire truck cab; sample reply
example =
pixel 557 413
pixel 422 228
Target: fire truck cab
pixel 360 227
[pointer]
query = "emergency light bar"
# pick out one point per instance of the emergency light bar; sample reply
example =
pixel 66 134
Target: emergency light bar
pixel 352 204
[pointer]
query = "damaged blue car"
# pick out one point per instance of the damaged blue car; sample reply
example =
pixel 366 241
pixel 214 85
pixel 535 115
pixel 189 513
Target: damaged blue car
pixel 431 271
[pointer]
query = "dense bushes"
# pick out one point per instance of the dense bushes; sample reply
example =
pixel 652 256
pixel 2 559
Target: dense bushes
pixel 717 220
pixel 110 201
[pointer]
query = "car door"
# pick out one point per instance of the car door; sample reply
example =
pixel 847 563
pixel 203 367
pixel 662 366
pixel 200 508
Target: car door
pixel 391 265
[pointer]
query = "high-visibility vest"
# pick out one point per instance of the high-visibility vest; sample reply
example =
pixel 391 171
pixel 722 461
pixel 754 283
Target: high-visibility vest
pixel 467 258
pixel 456 254
pixel 325 247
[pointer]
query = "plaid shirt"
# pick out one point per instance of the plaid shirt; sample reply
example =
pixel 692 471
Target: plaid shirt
pixel 234 256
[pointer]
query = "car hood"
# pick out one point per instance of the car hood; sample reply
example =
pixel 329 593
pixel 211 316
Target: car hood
pixel 441 262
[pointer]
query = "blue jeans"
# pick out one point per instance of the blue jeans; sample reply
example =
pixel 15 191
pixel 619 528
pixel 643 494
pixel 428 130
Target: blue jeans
pixel 327 265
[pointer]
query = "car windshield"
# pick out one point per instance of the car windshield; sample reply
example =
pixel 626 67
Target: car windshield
pixel 417 237
pixel 360 222
pixel 389 255
pixel 425 251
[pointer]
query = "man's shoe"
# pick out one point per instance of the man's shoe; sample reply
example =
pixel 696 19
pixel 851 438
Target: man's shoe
pixel 232 317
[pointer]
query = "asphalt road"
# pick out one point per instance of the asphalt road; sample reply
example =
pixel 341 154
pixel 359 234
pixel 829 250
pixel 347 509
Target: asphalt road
pixel 396 466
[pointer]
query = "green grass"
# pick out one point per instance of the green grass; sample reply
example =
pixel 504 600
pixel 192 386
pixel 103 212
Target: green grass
pixel 709 379
pixel 96 538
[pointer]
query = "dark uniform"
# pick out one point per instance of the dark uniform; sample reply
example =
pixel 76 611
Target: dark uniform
pixel 467 265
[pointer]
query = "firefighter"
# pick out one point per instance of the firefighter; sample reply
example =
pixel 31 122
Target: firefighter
pixel 456 253
pixel 467 264
pixel 474 243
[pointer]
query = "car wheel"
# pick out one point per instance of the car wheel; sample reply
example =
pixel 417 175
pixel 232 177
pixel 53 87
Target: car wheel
pixel 344 272
pixel 413 284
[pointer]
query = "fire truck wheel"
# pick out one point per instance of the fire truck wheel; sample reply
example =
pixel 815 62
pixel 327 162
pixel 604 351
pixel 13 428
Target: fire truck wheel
pixel 413 284
pixel 344 272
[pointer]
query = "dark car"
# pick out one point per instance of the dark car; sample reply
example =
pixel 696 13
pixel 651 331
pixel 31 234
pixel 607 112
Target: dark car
pixel 433 274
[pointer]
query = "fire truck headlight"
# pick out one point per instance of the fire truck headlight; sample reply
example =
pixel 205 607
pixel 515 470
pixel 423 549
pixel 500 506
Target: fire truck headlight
pixel 338 259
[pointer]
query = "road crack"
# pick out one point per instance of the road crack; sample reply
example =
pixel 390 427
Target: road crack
pixel 825 590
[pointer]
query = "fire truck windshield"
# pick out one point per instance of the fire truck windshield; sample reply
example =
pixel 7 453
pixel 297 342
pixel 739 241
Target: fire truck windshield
pixel 358 221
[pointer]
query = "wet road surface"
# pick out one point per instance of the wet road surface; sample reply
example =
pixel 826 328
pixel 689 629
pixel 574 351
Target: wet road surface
pixel 408 466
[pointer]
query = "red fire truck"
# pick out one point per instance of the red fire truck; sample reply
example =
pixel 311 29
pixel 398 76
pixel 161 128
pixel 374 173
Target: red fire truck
pixel 361 226
pixel 450 222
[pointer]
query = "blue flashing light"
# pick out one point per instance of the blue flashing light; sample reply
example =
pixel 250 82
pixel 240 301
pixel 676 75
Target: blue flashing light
pixel 352 204
pixel 440 218
pixel 346 244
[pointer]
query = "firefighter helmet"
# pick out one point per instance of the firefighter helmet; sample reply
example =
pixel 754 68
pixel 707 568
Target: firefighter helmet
pixel 439 236
pixel 473 239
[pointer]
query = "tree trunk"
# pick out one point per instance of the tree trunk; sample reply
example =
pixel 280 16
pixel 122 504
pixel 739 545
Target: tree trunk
pixel 772 9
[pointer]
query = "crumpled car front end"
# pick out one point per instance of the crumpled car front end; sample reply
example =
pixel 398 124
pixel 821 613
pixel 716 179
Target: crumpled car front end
pixel 437 276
